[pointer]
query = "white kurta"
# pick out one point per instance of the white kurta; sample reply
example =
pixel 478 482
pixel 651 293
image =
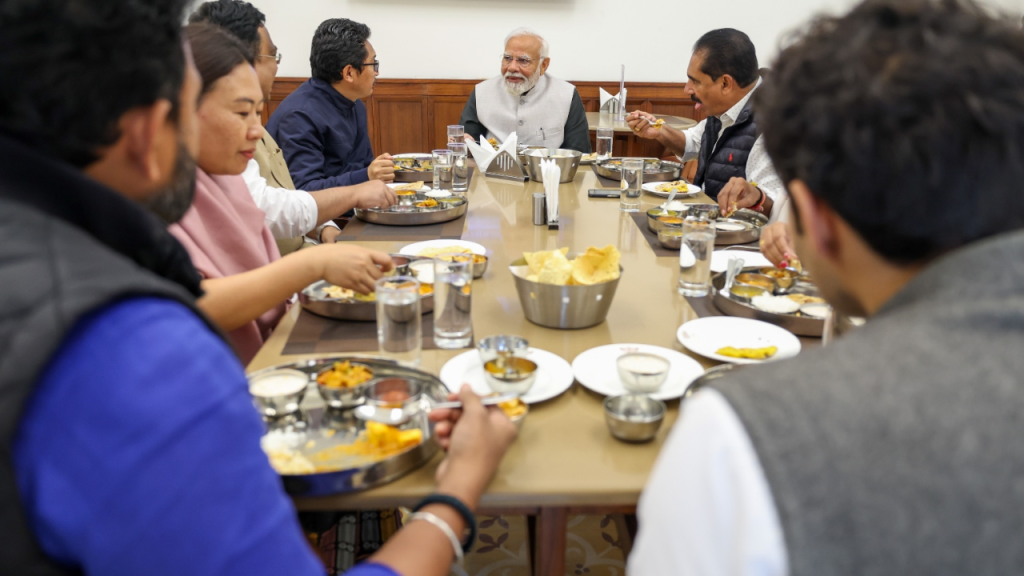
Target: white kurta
pixel 538 117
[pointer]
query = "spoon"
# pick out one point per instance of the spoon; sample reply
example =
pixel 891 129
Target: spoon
pixel 671 197
pixel 398 416
pixel 735 265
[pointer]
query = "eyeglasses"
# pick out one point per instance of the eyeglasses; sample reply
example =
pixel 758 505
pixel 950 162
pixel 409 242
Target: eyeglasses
pixel 375 64
pixel 523 61
pixel 276 57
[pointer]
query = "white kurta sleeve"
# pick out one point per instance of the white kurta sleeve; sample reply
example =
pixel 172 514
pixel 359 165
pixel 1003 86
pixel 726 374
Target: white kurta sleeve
pixel 289 213
pixel 707 509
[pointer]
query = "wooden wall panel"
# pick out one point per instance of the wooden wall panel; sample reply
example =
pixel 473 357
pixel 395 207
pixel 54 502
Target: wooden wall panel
pixel 447 111
pixel 402 124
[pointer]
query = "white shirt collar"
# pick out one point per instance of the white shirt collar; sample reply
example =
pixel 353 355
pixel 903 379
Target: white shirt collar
pixel 733 114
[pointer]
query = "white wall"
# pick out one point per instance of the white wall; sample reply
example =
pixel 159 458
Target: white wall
pixel 464 38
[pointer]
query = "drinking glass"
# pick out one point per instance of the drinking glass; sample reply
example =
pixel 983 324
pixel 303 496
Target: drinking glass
pixel 695 257
pixel 456 133
pixel 460 170
pixel 453 297
pixel 399 324
pixel 632 180
pixel 442 169
pixel 604 143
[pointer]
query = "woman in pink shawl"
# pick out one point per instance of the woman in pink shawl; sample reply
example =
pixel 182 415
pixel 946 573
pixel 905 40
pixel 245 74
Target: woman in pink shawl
pixel 246 281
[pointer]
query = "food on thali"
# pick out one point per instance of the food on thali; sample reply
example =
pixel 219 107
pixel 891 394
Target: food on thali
pixel 595 266
pixel 439 194
pixel 339 293
pixel 277 445
pixel 513 408
pixel 733 207
pixel 428 203
pixel 408 187
pixel 747 291
pixel 676 186
pixel 588 157
pixel 377 442
pixel 756 280
pixel 814 309
pixel 670 219
pixel 493 142
pixel 748 353
pixel 414 164
pixel 805 299
pixel 439 250
pixel 345 375
pixel 279 383
pixel 775 304
pixel 729 226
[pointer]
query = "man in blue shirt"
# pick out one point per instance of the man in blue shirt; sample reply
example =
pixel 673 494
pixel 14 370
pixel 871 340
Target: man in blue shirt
pixel 128 441
pixel 321 126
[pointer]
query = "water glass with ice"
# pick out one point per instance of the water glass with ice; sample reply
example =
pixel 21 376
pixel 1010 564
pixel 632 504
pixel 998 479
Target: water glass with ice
pixel 442 169
pixel 399 323
pixel 456 133
pixel 460 169
pixel 632 181
pixel 695 257
pixel 453 297
pixel 604 143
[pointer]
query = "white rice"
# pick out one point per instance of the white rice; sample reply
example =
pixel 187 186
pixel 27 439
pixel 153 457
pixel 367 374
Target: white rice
pixel 775 304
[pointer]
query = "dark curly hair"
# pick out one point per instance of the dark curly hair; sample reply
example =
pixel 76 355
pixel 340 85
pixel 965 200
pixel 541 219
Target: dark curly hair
pixel 337 43
pixel 906 117
pixel 728 51
pixel 71 68
pixel 237 17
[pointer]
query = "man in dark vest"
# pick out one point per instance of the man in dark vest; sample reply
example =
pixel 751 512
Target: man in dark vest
pixel 899 130
pixel 732 165
pixel 128 440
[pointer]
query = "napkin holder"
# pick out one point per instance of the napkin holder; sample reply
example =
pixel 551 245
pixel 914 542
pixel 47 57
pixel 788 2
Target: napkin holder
pixel 610 103
pixel 506 167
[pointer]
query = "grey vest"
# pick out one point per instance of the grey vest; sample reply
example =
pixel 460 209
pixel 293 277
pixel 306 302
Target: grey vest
pixel 68 246
pixel 537 117
pixel 729 158
pixel 898 450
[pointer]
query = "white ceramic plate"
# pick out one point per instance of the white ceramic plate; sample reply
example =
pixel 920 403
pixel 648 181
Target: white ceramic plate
pixel 424 188
pixel 720 259
pixel 596 369
pixel 652 188
pixel 414 249
pixel 706 335
pixel 554 375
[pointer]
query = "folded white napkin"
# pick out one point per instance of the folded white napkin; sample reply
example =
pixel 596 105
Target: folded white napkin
pixel 484 153
pixel 550 175
pixel 607 97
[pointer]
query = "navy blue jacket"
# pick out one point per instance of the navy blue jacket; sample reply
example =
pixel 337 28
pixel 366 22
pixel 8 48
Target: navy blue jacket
pixel 323 137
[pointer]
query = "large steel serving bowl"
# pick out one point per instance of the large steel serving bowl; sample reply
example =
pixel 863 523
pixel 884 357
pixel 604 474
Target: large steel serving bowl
pixel 567 160
pixel 566 307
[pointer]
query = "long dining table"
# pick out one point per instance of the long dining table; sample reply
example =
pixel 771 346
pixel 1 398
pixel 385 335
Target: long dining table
pixel 564 461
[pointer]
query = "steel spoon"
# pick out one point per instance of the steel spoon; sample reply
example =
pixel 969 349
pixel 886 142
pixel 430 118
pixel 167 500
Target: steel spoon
pixel 399 416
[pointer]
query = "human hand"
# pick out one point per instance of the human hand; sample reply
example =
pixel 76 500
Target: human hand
pixel 374 194
pixel 476 439
pixel 641 124
pixel 468 138
pixel 382 168
pixel 777 243
pixel 329 234
pixel 737 193
pixel 352 267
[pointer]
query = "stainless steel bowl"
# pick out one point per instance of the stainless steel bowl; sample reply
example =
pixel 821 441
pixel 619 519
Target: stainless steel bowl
pixel 523 152
pixel 566 307
pixel 567 160
pixel 642 373
pixel 655 225
pixel 490 347
pixel 633 417
pixel 517 377
pixel 343 397
pixel 395 393
pixel 275 405
pixel 671 238
pixel 479 268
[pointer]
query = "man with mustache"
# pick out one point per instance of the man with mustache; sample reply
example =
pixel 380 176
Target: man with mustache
pixel 732 165
pixel 540 109
pixel 321 126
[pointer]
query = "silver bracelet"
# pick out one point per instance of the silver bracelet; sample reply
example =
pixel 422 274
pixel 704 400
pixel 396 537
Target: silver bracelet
pixel 456 545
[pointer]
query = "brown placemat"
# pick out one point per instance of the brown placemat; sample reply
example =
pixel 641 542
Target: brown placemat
pixel 640 218
pixel 605 182
pixel 705 307
pixel 314 334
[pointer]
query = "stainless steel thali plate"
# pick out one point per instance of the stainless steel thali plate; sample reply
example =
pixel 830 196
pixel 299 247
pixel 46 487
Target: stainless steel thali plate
pixel 324 437
pixel 743 227
pixel 797 323
pixel 655 170
pixel 413 167
pixel 406 213
pixel 315 299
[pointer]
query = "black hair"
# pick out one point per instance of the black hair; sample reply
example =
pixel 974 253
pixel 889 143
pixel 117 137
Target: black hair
pixel 337 43
pixel 241 19
pixel 70 69
pixel 216 52
pixel 906 117
pixel 728 51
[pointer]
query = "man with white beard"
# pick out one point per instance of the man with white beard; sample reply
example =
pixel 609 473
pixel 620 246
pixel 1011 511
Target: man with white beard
pixel 540 109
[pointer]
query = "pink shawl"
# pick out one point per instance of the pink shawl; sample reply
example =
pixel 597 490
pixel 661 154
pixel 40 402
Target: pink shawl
pixel 225 234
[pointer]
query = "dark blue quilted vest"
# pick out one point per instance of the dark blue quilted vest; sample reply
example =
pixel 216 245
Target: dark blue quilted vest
pixel 730 155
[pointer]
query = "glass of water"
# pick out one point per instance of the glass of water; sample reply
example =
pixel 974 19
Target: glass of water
pixel 456 133
pixel 442 169
pixel 460 170
pixel 604 143
pixel 399 323
pixel 632 180
pixel 695 257
pixel 453 297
